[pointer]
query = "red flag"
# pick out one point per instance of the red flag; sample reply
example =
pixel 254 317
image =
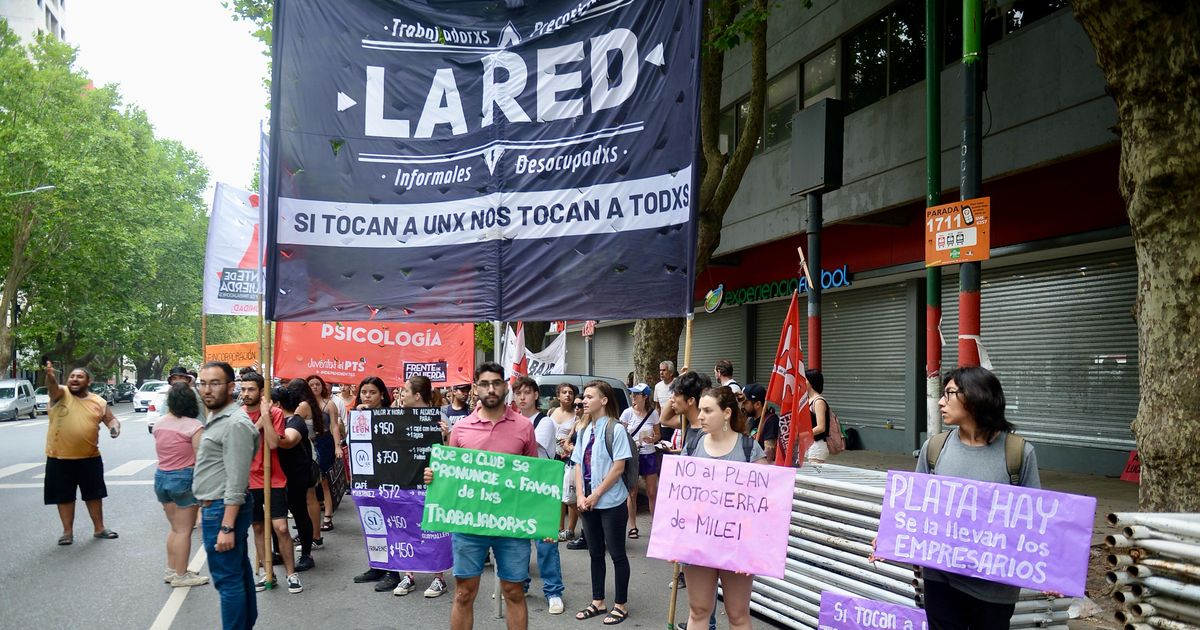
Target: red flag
pixel 789 389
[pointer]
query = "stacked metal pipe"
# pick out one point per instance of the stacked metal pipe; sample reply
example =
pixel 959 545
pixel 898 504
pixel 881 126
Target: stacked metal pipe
pixel 1155 560
pixel 835 514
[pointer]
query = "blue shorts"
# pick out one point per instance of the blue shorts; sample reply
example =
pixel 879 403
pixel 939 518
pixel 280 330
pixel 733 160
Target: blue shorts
pixel 511 556
pixel 174 486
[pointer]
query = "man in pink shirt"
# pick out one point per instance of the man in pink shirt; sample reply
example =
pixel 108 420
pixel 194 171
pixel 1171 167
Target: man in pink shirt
pixel 495 427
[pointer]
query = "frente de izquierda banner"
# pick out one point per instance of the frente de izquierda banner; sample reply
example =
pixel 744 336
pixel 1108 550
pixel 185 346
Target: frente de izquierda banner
pixel 448 162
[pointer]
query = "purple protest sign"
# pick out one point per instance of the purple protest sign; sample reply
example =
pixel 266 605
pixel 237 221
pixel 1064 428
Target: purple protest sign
pixel 1024 537
pixel 391 522
pixel 721 514
pixel 844 612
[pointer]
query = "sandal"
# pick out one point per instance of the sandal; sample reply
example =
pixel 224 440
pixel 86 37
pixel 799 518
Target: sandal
pixel 616 616
pixel 66 539
pixel 589 612
pixel 327 524
pixel 633 533
pixel 106 534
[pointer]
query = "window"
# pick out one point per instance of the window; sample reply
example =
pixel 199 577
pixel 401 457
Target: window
pixel 743 112
pixel 781 106
pixel 820 76
pixel 1026 12
pixel 726 129
pixel 886 54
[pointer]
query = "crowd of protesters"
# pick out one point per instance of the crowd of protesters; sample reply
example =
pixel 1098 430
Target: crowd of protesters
pixel 213 445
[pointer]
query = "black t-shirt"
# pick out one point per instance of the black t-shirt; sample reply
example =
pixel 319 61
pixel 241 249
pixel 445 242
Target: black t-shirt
pixel 769 428
pixel 295 460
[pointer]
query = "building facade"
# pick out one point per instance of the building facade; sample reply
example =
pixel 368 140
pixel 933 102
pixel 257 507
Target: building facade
pixel 1058 291
pixel 26 18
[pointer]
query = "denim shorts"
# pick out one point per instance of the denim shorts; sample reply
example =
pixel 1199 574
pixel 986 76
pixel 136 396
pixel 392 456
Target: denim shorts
pixel 174 486
pixel 511 554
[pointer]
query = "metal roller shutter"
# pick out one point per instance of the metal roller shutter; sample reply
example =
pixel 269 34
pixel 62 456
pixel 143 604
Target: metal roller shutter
pixel 720 335
pixel 613 347
pixel 576 354
pixel 863 339
pixel 768 328
pixel 1062 339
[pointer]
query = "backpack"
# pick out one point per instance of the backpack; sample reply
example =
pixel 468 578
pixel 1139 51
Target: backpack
pixel 630 474
pixel 743 439
pixel 835 440
pixel 541 415
pixel 1014 454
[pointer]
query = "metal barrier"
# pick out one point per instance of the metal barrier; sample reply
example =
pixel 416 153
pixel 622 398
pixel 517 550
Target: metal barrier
pixel 835 515
pixel 1155 563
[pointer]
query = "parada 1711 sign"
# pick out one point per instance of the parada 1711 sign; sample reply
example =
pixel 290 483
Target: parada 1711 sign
pixel 958 232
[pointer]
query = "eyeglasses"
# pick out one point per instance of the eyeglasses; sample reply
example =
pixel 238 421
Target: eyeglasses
pixel 211 384
pixel 579 405
pixel 950 392
pixel 496 384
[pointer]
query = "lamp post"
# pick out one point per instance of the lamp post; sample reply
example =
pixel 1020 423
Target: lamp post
pixel 14 304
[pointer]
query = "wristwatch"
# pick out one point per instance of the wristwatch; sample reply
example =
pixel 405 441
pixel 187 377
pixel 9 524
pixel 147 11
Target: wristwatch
pixel 225 529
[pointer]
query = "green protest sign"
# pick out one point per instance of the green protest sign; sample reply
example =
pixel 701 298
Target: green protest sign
pixel 493 494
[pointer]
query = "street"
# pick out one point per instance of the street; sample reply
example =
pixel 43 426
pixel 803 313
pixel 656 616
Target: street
pixel 103 584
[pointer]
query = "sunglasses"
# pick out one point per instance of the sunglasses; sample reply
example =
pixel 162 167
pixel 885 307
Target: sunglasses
pixel 579 405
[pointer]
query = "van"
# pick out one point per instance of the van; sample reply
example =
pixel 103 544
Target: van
pixel 16 399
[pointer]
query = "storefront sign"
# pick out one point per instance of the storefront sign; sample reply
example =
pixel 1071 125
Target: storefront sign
pixel 837 278
pixel 1133 468
pixel 714 299
pixel 1025 537
pixel 845 612
pixel 958 232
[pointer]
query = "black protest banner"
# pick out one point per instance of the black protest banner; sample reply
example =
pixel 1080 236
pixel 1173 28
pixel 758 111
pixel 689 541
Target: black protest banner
pixel 389 448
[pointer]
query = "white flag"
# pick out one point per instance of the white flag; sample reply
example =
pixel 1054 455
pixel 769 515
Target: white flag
pixel 551 360
pixel 232 256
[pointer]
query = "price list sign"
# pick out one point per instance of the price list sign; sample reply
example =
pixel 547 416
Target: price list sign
pixel 958 232
pixel 389 450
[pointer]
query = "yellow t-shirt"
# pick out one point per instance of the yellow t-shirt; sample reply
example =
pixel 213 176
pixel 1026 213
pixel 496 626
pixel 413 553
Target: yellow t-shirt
pixel 74 428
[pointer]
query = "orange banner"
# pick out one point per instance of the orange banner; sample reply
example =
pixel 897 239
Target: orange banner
pixel 235 354
pixel 347 352
pixel 958 232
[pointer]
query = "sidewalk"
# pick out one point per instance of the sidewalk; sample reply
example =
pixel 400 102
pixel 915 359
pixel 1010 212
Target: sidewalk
pixel 1112 495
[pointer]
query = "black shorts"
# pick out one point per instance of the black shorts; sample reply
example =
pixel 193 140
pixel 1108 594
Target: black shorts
pixel 64 475
pixel 278 504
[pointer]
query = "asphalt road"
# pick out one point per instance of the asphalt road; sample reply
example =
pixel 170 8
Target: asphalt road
pixel 102 584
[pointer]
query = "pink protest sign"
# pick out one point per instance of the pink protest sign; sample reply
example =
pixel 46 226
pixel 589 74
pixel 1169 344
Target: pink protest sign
pixel 1018 536
pixel 725 515
pixel 844 612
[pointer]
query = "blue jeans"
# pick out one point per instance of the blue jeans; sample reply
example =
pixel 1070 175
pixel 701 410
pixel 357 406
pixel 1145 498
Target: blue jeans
pixel 549 568
pixel 231 572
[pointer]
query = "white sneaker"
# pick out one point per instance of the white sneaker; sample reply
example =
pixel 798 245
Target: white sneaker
pixel 168 575
pixel 189 579
pixel 293 583
pixel 556 605
pixel 437 588
pixel 260 584
pixel 405 586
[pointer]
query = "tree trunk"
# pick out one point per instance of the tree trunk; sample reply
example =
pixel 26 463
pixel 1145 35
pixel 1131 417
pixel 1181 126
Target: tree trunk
pixel 18 268
pixel 1149 52
pixel 657 340
pixel 535 335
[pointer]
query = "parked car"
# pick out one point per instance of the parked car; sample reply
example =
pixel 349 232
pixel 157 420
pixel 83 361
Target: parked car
pixel 157 405
pixel 16 399
pixel 142 398
pixel 41 399
pixel 125 392
pixel 548 383
pixel 104 391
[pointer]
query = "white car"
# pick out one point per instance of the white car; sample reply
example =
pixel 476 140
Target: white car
pixel 141 400
pixel 41 400
pixel 157 407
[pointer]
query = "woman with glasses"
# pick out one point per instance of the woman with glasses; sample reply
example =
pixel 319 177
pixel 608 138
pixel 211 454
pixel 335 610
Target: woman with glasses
pixel 601 498
pixel 373 394
pixel 980 445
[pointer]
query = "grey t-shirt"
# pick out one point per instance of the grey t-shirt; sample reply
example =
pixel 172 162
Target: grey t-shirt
pixel 735 454
pixel 981 463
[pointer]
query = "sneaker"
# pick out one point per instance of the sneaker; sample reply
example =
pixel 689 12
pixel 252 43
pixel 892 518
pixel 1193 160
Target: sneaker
pixel 305 563
pixel 405 586
pixel 189 579
pixel 294 585
pixel 578 543
pixel 556 605
pixel 437 588
pixel 565 535
pixel 260 584
pixel 370 575
pixel 276 559
pixel 168 575
pixel 318 543
pixel 388 583
pixel 682 582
